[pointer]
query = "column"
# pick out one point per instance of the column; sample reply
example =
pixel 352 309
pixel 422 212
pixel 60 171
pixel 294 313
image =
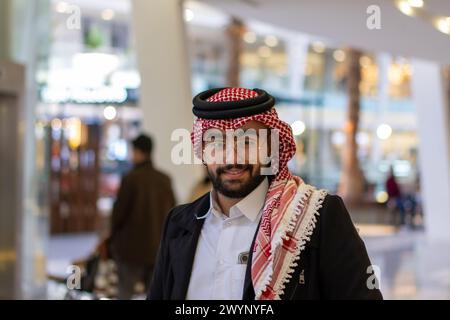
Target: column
pixel 433 123
pixel 384 61
pixel 166 99
pixel 18 20
pixel 297 52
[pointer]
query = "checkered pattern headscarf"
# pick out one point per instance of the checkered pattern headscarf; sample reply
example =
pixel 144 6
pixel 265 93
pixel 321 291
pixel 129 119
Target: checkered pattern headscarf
pixel 269 118
pixel 288 215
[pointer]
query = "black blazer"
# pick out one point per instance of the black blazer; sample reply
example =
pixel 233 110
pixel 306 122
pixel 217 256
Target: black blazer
pixel 333 264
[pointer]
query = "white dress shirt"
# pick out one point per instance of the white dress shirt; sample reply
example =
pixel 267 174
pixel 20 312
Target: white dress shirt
pixel 218 271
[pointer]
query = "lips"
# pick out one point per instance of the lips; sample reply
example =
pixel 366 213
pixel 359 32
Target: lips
pixel 234 173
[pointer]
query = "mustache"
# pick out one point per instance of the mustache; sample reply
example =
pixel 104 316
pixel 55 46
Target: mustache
pixel 221 170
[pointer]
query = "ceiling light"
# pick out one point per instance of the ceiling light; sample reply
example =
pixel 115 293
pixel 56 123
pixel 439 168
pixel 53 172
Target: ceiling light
pixel 298 127
pixel 108 14
pixel 250 37
pixel 405 8
pixel 384 131
pixel 416 3
pixel 188 15
pixel 339 55
pixel 110 113
pixel 443 25
pixel 271 41
pixel 62 7
pixel 382 197
pixel 318 47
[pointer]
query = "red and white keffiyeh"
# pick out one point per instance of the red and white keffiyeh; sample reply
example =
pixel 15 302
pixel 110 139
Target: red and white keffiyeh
pixel 290 209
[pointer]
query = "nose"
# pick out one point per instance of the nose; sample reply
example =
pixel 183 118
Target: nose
pixel 232 154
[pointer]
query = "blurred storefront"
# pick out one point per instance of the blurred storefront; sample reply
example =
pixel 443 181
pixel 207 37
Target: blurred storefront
pixel 308 77
pixel 88 92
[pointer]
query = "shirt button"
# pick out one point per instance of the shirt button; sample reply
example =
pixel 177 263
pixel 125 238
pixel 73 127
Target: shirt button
pixel 229 223
pixel 221 262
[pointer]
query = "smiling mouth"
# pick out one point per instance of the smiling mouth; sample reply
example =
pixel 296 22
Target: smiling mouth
pixel 234 173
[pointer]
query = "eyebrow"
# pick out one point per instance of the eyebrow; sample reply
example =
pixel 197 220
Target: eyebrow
pixel 214 133
pixel 257 131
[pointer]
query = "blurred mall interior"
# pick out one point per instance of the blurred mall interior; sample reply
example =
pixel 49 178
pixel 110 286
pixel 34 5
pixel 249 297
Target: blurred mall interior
pixel 79 79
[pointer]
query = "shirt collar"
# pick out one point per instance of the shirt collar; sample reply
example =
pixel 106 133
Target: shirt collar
pixel 250 206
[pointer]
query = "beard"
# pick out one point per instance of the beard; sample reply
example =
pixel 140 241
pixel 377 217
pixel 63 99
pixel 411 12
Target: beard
pixel 235 188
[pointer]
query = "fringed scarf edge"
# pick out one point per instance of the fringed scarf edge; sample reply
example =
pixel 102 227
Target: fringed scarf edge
pixel 303 232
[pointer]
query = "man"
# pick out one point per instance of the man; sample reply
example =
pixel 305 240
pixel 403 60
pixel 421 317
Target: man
pixel 395 196
pixel 144 198
pixel 257 236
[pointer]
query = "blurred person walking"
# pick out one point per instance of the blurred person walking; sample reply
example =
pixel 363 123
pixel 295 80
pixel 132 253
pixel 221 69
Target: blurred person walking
pixel 143 200
pixel 395 196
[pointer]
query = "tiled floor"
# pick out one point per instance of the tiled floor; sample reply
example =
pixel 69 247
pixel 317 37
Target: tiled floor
pixel 412 267
pixel 63 250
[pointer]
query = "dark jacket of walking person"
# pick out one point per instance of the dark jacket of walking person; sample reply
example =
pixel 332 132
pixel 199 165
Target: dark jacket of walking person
pixel 392 187
pixel 144 198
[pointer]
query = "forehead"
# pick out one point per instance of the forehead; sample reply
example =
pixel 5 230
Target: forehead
pixel 254 125
pixel 249 125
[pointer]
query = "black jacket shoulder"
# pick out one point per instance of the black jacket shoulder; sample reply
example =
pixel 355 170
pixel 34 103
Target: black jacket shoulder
pixel 343 264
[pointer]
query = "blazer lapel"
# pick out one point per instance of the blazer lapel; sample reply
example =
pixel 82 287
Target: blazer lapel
pixel 183 247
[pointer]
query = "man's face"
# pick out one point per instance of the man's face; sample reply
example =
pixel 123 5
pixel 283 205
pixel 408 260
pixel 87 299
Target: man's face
pixel 238 178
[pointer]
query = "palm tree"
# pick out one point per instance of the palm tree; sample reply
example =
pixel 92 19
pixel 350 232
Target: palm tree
pixel 234 31
pixel 352 182
pixel 446 72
